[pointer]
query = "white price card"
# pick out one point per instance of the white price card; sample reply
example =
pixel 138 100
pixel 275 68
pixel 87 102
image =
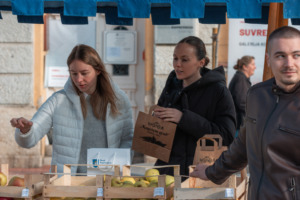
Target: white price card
pixel 25 192
pixel 159 191
pixel 229 192
pixel 100 192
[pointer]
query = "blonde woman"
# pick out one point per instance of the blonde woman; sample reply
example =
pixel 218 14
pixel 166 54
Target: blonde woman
pixel 90 112
pixel 239 85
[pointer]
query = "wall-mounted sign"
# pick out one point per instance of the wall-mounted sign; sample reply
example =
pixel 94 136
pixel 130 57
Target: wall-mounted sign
pixel 120 47
pixel 171 34
pixel 246 39
pixel 57 76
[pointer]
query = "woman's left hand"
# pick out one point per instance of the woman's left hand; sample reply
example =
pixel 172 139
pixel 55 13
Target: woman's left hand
pixel 168 114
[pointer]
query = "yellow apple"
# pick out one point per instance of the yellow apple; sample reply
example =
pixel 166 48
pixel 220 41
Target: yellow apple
pixel 152 174
pixel 3 179
pixel 130 179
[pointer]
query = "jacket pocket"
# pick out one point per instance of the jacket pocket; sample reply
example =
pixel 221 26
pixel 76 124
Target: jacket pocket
pixel 293 187
pixel 288 130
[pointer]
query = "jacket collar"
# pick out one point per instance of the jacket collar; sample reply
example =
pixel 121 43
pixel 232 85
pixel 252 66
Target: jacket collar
pixel 243 75
pixel 279 91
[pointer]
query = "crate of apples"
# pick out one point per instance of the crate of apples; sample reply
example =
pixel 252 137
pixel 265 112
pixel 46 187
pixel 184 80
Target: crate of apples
pixel 19 187
pixel 150 186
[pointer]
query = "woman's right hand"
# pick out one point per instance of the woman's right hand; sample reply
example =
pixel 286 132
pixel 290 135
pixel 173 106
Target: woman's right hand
pixel 21 123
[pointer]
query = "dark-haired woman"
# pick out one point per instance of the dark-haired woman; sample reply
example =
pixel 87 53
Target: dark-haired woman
pixel 239 85
pixel 197 100
pixel 90 112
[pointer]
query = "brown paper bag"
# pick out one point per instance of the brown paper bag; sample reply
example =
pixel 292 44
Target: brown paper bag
pixel 208 154
pixel 153 136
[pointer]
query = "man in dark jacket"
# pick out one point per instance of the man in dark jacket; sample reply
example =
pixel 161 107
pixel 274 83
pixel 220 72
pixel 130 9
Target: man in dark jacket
pixel 269 141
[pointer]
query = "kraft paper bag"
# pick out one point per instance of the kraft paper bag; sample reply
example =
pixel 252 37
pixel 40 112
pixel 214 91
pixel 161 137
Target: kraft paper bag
pixel 208 154
pixel 153 136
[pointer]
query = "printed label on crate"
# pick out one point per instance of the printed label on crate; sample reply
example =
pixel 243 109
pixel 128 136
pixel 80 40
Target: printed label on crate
pixel 229 192
pixel 159 191
pixel 100 192
pixel 25 192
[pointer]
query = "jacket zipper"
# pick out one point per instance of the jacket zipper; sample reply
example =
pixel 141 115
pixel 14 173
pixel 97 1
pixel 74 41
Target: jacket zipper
pixel 292 189
pixel 261 147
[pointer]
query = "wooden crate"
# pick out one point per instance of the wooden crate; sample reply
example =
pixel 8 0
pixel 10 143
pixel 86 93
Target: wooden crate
pixel 66 184
pixel 32 190
pixel 194 188
pixel 160 192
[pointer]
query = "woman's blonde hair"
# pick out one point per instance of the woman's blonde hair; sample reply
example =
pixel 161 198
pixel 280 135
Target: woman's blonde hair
pixel 245 60
pixel 104 93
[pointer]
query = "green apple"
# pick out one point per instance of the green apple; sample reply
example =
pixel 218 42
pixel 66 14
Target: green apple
pixel 152 174
pixel 127 184
pixel 153 183
pixel 169 180
pixel 141 183
pixel 3 179
pixel 116 182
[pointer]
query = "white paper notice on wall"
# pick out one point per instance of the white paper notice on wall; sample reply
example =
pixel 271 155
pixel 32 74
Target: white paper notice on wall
pixel 57 76
pixel 120 47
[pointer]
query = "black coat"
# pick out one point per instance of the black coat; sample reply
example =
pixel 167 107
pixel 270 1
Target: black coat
pixel 268 143
pixel 238 88
pixel 207 108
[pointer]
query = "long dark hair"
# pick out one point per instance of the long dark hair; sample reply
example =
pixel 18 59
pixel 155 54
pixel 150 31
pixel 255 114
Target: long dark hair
pixel 104 93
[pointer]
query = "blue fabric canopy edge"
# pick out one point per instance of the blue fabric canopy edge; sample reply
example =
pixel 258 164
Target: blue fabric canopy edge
pixel 164 12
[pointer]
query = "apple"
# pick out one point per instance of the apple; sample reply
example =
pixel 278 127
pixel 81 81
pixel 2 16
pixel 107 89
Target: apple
pixel 130 179
pixel 127 184
pixel 152 174
pixel 3 179
pixel 153 183
pixel 116 182
pixel 169 180
pixel 141 183
pixel 16 181
pixel 6 198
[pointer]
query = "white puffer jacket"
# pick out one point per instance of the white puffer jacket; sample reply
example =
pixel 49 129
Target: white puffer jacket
pixel 62 111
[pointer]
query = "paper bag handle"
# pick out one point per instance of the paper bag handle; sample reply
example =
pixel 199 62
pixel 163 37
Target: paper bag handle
pixel 201 145
pixel 212 138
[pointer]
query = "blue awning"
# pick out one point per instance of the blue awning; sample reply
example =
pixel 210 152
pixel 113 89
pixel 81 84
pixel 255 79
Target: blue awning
pixel 163 12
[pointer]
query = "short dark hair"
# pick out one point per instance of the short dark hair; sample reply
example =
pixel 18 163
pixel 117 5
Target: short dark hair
pixel 199 46
pixel 283 32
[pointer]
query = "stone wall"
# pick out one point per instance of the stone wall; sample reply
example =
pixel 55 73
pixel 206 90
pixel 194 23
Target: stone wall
pixel 16 89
